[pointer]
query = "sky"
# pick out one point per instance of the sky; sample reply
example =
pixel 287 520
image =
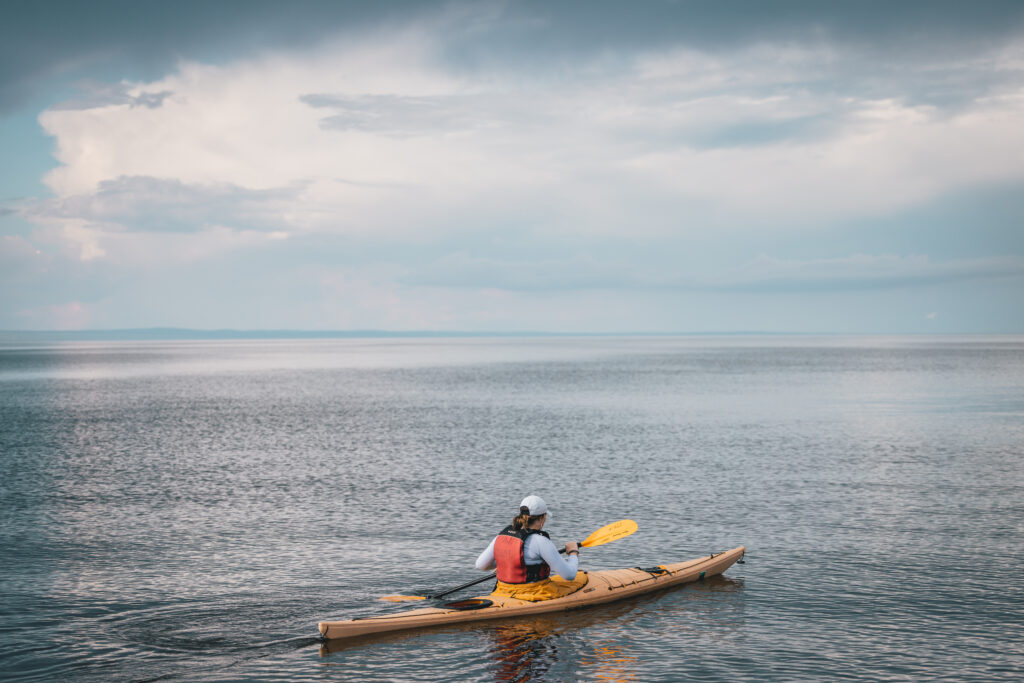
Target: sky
pixel 792 167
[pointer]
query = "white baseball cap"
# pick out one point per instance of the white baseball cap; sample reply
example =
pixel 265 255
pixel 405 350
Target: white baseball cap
pixel 536 505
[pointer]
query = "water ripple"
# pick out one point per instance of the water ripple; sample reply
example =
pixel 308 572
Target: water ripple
pixel 189 511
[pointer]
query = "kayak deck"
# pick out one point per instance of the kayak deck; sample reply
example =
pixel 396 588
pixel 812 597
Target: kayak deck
pixel 601 587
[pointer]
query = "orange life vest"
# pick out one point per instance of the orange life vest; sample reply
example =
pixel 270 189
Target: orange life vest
pixel 508 554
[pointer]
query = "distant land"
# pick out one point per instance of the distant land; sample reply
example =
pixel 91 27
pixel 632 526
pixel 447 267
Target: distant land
pixel 180 333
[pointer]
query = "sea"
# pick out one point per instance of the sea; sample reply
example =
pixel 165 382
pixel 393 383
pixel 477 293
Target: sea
pixel 188 510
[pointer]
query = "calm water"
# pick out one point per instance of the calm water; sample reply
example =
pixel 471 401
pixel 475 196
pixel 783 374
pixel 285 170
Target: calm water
pixel 190 510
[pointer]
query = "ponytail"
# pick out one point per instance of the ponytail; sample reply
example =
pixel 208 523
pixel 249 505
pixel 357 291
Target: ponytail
pixel 524 518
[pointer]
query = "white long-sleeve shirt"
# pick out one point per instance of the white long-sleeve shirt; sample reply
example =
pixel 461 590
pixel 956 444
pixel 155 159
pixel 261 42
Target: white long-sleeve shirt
pixel 536 549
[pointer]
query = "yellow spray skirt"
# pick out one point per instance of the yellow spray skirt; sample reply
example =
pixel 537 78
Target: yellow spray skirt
pixel 553 587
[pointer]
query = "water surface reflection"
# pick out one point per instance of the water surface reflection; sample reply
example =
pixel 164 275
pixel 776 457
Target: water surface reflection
pixel 191 510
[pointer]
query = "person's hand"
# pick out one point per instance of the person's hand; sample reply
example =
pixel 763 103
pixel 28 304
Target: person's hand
pixel 572 547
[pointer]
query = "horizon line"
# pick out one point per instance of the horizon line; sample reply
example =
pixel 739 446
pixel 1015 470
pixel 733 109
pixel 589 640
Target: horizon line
pixel 186 333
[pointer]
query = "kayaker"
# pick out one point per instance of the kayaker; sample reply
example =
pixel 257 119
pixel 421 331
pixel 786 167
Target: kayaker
pixel 525 557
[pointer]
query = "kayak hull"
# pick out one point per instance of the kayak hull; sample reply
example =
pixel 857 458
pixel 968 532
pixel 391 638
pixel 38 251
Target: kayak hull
pixel 602 587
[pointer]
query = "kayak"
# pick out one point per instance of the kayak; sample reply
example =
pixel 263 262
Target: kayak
pixel 601 587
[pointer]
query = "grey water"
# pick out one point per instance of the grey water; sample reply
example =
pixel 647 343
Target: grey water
pixel 189 510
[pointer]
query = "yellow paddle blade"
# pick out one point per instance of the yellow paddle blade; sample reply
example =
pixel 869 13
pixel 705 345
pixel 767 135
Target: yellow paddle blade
pixel 609 533
pixel 403 598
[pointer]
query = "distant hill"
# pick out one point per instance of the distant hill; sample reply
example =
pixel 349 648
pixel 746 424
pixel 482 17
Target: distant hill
pixel 180 333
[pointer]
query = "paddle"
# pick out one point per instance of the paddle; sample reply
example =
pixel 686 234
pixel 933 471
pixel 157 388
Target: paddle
pixel 606 534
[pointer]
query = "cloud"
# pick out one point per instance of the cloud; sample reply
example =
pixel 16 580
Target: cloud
pixel 864 271
pixel 396 115
pixel 483 155
pixel 146 204
pixel 763 274
pixel 883 156
pixel 94 95
pixel 45 40
pixel 42 43
pixel 463 270
pixel 383 137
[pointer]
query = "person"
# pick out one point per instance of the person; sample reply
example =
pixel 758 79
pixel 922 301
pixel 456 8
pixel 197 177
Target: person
pixel 525 557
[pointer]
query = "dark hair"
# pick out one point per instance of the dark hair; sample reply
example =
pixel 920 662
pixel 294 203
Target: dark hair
pixel 524 518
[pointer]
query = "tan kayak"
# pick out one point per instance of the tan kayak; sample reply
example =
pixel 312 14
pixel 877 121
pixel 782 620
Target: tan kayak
pixel 602 586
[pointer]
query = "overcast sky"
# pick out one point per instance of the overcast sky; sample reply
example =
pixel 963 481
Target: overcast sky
pixel 510 166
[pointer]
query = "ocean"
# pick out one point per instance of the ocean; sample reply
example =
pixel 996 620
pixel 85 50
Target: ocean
pixel 189 510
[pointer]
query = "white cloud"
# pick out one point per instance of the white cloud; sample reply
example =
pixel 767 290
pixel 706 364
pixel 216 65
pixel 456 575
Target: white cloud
pixel 885 156
pixel 243 124
pixel 153 205
pixel 70 238
pixel 863 271
pixel 387 145
pixel 762 274
pixel 382 138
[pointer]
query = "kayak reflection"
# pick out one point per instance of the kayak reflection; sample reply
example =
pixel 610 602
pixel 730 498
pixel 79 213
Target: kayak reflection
pixel 529 650
pixel 611 663
pixel 523 651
